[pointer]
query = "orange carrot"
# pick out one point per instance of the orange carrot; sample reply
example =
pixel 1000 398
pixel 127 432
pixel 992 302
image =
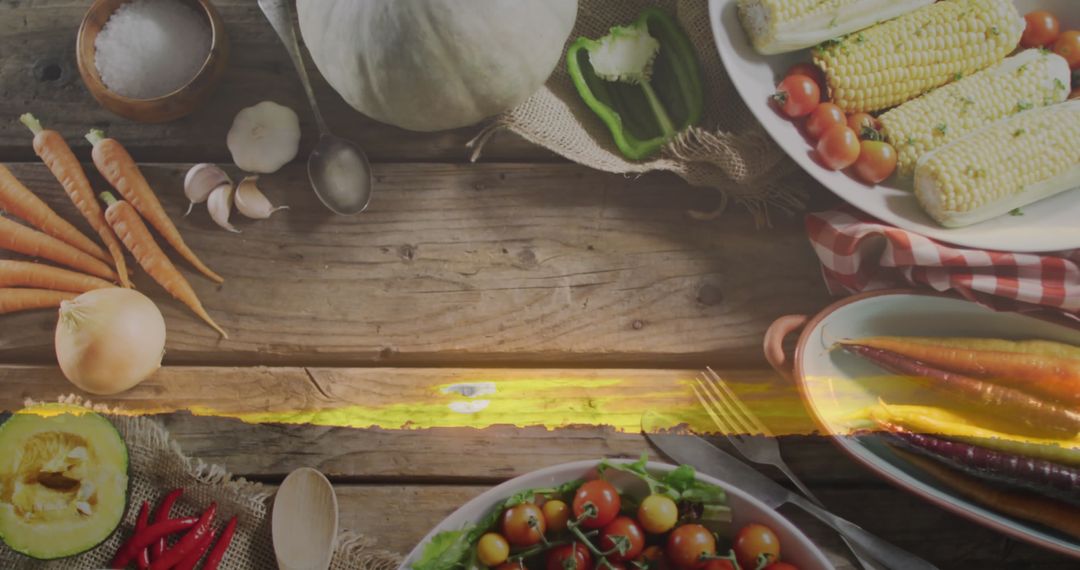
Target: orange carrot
pixel 15 300
pixel 1051 512
pixel 127 224
pixel 20 202
pixel 40 276
pixel 21 239
pixel 117 166
pixel 1049 369
pixel 56 154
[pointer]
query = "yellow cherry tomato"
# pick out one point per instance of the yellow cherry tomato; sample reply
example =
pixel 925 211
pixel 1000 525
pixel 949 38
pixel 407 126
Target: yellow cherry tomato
pixel 492 549
pixel 658 514
pixel 556 515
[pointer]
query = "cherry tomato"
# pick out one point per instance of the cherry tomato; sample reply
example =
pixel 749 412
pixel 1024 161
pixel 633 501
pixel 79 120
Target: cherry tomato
pixel 687 544
pixel 1042 29
pixel 877 161
pixel 523 525
pixel 720 565
pixel 492 549
pixel 1068 47
pixel 859 122
pixel 825 117
pixel 809 70
pixel 781 566
pixel 652 558
pixel 797 96
pixel 839 147
pixel 753 542
pixel 604 499
pixel 556 514
pixel 633 539
pixel 560 557
pixel 658 514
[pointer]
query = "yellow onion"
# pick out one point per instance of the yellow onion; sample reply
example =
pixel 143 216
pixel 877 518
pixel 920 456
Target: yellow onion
pixel 109 340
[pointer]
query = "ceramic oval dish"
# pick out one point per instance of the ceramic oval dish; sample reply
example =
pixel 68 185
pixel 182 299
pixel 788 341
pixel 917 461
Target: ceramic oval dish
pixel 795 546
pixel 834 385
pixel 1048 225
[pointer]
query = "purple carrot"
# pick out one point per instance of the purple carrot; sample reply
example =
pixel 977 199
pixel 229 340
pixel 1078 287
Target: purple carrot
pixel 1036 413
pixel 1037 474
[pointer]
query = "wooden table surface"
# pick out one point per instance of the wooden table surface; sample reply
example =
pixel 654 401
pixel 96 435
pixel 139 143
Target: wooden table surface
pixel 522 269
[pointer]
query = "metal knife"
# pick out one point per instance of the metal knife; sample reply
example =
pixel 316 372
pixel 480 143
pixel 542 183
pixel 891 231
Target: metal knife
pixel 709 459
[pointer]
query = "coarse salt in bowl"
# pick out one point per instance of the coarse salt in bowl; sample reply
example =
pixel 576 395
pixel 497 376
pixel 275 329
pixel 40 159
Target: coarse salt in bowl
pixel 151 60
pixel 150 48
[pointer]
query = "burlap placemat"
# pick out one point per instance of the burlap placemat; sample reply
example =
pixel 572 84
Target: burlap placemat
pixel 156 466
pixel 728 151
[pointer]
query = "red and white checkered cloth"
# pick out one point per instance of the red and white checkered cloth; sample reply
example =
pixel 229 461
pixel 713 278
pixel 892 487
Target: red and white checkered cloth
pixel 861 253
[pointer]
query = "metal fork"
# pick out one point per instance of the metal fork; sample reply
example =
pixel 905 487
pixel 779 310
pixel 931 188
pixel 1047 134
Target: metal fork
pixel 740 426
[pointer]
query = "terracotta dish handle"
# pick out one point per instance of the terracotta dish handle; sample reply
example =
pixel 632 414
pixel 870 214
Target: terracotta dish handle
pixel 774 343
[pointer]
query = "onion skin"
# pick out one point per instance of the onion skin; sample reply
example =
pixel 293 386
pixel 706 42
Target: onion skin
pixel 109 340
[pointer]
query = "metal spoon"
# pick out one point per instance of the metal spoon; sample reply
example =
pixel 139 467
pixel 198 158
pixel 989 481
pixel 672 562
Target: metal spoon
pixel 305 520
pixel 338 169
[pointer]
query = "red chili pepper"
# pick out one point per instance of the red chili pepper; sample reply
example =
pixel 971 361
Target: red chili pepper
pixel 215 556
pixel 196 554
pixel 162 515
pixel 143 560
pixel 141 540
pixel 174 555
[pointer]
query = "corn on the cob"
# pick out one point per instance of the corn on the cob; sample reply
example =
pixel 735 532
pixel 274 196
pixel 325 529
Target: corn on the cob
pixel 1010 164
pixel 896 61
pixel 1033 78
pixel 779 26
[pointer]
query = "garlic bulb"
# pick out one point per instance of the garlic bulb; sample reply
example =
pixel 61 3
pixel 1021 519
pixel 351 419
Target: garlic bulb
pixel 220 205
pixel 265 137
pixel 200 180
pixel 251 202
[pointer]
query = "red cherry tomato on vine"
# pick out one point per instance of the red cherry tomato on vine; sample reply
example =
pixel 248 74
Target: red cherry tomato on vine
pixel 825 117
pixel 839 148
pixel 809 70
pixel 605 501
pixel 877 161
pixel 754 541
pixel 1068 47
pixel 687 544
pixel 859 122
pixel 1042 29
pixel 632 537
pixel 523 525
pixel 560 557
pixel 797 96
pixel 720 565
pixel 653 558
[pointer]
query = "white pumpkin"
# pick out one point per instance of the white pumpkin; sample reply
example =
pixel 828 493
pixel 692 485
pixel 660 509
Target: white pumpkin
pixel 430 65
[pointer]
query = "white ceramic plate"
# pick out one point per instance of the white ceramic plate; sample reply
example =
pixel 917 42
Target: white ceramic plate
pixel 794 546
pixel 836 384
pixel 1049 225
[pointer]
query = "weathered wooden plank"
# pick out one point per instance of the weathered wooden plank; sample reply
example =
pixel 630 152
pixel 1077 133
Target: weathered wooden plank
pixel 519 264
pixel 398 516
pixel 38 73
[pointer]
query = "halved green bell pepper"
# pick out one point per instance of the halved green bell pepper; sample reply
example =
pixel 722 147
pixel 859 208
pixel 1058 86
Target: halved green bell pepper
pixel 643 117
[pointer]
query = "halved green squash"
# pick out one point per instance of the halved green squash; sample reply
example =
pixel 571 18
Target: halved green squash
pixel 63 481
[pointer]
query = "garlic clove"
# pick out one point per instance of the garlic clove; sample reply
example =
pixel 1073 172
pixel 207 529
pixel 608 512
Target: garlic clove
pixel 251 202
pixel 220 205
pixel 200 181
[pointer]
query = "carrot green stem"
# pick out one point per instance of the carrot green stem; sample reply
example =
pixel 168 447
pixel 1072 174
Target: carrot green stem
pixel 95 136
pixel 31 123
pixel 108 198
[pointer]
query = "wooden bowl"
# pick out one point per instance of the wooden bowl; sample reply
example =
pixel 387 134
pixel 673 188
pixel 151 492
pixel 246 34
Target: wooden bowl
pixel 160 109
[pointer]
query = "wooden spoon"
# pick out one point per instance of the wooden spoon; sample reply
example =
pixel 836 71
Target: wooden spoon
pixel 305 521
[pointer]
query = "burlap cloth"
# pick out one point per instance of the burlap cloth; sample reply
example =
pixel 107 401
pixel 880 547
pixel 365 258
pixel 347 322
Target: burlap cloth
pixel 728 151
pixel 157 466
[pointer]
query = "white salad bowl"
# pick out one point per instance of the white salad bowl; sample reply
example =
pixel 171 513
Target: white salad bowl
pixel 1048 225
pixel 836 385
pixel 795 547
